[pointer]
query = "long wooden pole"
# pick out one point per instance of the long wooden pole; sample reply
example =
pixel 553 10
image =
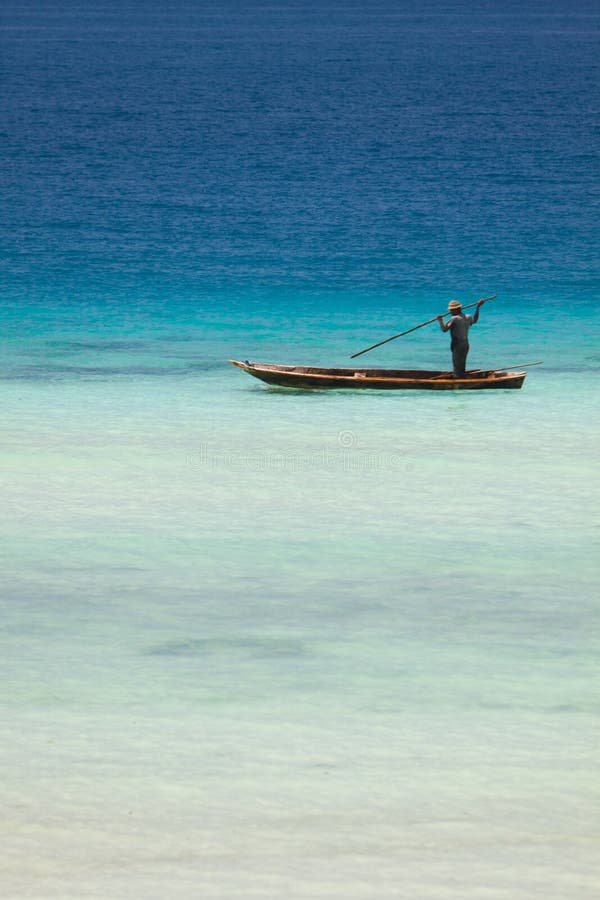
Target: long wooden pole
pixel 507 368
pixel 415 328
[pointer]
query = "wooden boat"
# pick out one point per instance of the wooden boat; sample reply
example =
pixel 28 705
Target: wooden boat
pixel 380 379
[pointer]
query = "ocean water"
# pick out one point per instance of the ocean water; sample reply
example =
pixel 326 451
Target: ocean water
pixel 285 644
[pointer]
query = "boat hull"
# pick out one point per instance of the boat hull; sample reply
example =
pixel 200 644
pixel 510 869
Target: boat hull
pixel 312 377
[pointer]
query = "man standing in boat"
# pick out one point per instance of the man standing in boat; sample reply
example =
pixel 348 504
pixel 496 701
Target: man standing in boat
pixel 458 325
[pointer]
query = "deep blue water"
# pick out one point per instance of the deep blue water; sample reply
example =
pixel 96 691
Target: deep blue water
pixel 152 152
pixel 286 644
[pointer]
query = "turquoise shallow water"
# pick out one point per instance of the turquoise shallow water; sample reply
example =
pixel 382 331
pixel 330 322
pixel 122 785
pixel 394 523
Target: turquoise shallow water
pixel 264 643
pixel 273 642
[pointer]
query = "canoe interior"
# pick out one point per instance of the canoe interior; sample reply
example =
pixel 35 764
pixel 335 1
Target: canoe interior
pixel 381 379
pixel 351 373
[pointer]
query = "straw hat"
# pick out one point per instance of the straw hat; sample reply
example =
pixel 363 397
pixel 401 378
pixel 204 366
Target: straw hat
pixel 454 304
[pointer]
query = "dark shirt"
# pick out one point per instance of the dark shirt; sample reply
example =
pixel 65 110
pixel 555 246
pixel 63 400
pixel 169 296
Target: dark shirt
pixel 459 328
